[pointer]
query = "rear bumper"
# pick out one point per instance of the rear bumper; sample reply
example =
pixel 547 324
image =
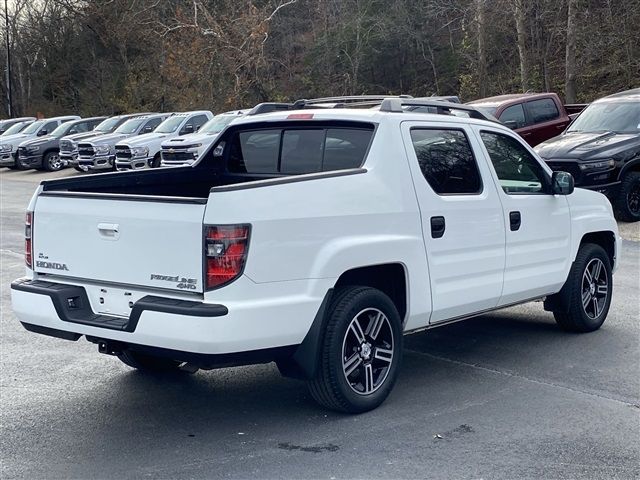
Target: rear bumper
pixel 273 317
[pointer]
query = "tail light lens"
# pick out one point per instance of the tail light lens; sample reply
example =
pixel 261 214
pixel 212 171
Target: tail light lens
pixel 226 248
pixel 28 245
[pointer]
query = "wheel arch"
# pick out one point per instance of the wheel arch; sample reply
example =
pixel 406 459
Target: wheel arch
pixel 604 238
pixel 632 165
pixel 390 278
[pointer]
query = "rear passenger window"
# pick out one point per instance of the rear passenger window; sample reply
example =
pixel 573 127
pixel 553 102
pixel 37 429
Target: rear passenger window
pixel 294 151
pixel 446 160
pixel 542 110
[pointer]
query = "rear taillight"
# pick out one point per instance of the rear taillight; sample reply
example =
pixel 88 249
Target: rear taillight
pixel 226 248
pixel 28 245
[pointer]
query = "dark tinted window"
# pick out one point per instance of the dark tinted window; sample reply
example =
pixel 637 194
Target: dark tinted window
pixel 345 148
pixel 517 170
pixel 198 121
pixel 152 124
pixel 255 152
pixel 297 150
pixel 50 126
pixel 81 127
pixel 446 161
pixel 514 115
pixel 302 151
pixel 542 110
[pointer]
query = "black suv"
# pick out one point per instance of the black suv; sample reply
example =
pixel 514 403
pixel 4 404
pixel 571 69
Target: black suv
pixel 601 149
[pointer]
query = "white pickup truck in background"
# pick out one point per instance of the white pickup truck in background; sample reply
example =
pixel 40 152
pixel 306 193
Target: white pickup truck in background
pixel 143 151
pixel 186 149
pixel 99 153
pixel 315 238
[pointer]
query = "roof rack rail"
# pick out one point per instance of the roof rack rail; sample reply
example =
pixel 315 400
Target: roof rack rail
pixel 268 107
pixel 442 108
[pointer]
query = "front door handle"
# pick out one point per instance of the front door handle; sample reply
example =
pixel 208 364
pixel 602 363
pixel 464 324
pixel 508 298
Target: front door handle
pixel 515 220
pixel 438 226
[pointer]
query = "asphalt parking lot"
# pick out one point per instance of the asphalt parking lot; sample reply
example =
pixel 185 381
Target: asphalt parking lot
pixel 502 396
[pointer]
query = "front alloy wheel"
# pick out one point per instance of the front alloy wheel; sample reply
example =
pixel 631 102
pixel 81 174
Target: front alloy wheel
pixel 595 288
pixel 589 288
pixel 52 162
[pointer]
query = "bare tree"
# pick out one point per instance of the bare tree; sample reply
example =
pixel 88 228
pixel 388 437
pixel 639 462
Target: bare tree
pixel 570 57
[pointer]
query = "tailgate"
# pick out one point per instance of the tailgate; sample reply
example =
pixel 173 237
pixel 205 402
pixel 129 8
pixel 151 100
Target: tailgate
pixel 121 240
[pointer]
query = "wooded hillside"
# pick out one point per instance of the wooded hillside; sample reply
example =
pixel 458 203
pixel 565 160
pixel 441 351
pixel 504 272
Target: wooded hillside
pixel 111 56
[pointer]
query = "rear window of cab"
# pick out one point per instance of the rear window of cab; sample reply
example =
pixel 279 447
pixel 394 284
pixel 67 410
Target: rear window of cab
pixel 296 149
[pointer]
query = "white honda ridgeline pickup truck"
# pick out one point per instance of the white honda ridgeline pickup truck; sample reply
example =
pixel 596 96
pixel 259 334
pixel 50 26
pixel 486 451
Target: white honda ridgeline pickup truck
pixel 315 239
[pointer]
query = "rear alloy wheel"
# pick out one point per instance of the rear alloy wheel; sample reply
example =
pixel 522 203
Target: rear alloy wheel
pixel 590 288
pixel 627 203
pixel 148 363
pixel 361 351
pixel 51 162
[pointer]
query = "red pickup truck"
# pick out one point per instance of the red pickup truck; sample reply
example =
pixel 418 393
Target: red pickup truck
pixel 535 116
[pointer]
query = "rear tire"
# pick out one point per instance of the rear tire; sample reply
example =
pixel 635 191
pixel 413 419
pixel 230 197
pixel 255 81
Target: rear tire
pixel 361 351
pixel 148 363
pixel 627 203
pixel 78 169
pixel 590 287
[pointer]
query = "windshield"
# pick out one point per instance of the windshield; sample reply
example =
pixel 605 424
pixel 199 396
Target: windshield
pixel 16 128
pixel 170 125
pixel 62 130
pixel 107 125
pixel 217 123
pixel 34 127
pixel 130 126
pixel 615 117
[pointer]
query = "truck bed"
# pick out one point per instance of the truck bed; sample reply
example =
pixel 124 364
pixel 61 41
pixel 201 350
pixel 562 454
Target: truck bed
pixel 187 182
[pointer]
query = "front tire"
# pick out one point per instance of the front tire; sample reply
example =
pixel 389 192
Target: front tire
pixel 361 351
pixel 51 162
pixel 148 363
pixel 590 286
pixel 627 203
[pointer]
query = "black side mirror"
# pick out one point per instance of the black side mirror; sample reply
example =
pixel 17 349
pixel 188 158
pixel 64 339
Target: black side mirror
pixel 188 128
pixel 512 124
pixel 42 133
pixel 562 183
pixel 73 131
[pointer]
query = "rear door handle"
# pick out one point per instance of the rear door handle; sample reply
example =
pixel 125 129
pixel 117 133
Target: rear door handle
pixel 515 220
pixel 438 226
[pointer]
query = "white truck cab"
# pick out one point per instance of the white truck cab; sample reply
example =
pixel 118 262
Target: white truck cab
pixel 316 238
pixel 9 143
pixel 143 151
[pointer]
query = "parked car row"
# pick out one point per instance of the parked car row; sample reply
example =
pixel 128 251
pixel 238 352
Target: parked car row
pixel 599 146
